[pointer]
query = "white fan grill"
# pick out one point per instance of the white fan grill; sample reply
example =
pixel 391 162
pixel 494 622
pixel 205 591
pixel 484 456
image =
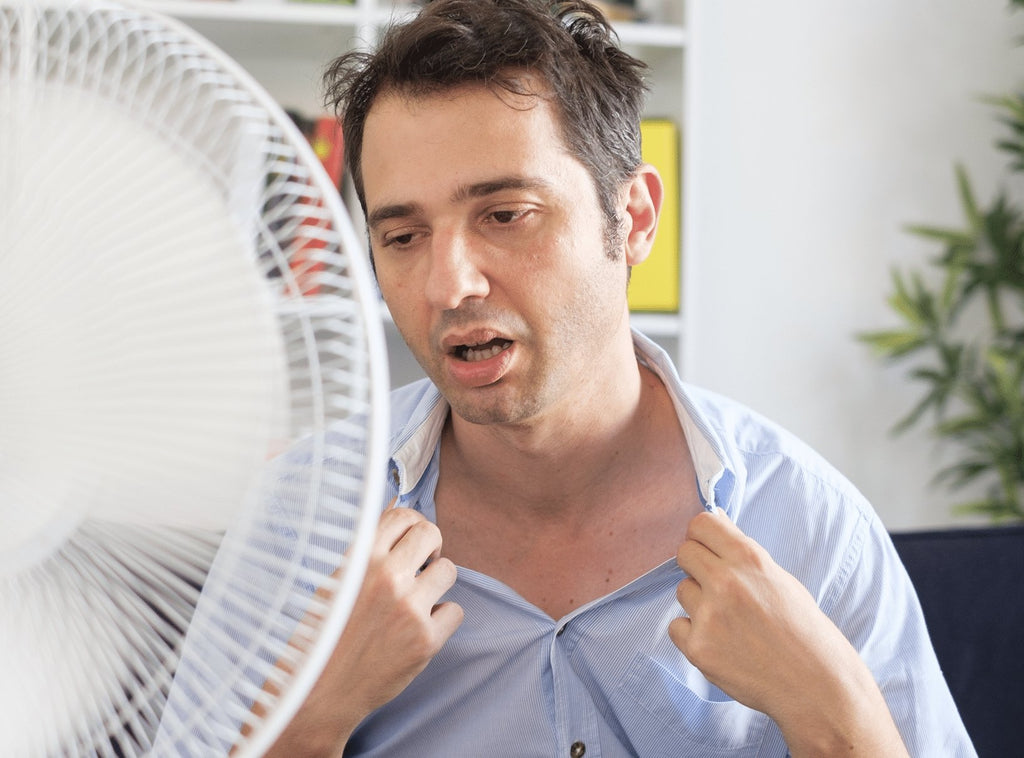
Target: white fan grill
pixel 190 347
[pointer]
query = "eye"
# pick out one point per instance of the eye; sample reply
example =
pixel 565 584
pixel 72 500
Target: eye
pixel 398 239
pixel 505 216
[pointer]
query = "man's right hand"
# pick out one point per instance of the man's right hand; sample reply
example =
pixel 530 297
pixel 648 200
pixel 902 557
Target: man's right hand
pixel 396 627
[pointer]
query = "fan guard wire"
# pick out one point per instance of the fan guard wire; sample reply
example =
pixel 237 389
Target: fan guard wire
pixel 101 612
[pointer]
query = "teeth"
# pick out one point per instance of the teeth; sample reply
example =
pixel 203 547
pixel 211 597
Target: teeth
pixel 473 354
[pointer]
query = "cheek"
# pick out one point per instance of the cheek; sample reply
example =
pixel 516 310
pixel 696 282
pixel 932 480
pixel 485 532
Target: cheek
pixel 394 287
pixel 401 296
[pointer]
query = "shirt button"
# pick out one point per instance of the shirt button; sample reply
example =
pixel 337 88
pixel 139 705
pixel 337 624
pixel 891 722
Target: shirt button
pixel 577 749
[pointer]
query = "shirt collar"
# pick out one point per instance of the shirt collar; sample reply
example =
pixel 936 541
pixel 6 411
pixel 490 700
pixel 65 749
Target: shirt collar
pixel 412 452
pixel 414 449
pixel 715 480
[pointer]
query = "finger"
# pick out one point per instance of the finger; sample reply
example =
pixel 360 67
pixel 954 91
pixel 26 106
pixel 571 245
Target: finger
pixel 731 545
pixel 688 593
pixel 438 577
pixel 714 530
pixel 448 616
pixel 323 592
pixel 445 618
pixel 679 632
pixel 393 525
pixel 420 542
pixel 696 559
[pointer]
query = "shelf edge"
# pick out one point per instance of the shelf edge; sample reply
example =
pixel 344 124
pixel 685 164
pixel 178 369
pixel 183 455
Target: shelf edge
pixel 299 14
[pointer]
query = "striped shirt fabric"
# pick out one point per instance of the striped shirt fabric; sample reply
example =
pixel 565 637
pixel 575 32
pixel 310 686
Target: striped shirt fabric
pixel 606 680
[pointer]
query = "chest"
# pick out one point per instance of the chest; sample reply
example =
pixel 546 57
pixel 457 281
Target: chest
pixel 559 563
pixel 619 684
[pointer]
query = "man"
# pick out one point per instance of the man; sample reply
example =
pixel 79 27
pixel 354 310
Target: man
pixel 643 568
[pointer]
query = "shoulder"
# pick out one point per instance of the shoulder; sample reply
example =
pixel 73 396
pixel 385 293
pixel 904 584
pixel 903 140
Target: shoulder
pixel 746 436
pixel 767 458
pixel 805 512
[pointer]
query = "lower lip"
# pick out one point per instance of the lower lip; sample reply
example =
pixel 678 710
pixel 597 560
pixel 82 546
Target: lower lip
pixel 480 373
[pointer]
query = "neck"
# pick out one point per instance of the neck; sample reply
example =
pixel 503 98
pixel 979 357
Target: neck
pixel 571 459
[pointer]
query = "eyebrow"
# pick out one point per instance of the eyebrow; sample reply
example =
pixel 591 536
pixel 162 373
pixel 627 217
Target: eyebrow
pixel 492 186
pixel 463 193
pixel 386 212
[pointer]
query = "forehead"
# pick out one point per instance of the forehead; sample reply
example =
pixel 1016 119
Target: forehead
pixel 456 130
pixel 517 91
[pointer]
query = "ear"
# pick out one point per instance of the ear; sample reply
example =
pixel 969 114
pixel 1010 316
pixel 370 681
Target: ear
pixel 643 206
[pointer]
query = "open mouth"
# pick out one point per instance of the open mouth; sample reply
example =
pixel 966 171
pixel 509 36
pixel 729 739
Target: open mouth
pixel 483 351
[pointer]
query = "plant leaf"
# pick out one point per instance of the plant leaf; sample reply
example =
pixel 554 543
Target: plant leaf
pixel 952 237
pixel 892 343
pixel 967 200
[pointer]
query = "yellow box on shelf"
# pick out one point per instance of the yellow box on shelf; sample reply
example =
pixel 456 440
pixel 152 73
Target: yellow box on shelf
pixel 654 284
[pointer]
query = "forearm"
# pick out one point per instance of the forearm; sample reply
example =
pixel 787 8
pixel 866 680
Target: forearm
pixel 843 714
pixel 849 737
pixel 320 729
pixel 314 733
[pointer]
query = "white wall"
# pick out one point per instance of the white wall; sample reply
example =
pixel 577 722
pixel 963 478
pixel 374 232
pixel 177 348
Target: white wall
pixel 820 129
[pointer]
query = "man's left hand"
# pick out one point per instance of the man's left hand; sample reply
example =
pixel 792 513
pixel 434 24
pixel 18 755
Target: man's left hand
pixel 756 632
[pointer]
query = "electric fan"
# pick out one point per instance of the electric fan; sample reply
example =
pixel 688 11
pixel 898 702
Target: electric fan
pixel 193 394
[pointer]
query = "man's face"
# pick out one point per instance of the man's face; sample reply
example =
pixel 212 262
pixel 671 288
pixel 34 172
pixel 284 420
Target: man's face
pixel 489 248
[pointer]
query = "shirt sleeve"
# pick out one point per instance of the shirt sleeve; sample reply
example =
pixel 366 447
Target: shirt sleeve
pixel 874 603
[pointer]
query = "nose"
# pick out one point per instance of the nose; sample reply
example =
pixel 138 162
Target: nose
pixel 455 274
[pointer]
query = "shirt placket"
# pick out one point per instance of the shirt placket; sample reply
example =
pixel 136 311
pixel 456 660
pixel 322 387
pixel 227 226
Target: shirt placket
pixel 576 720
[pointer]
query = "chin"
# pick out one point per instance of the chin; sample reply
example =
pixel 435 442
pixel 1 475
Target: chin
pixel 491 411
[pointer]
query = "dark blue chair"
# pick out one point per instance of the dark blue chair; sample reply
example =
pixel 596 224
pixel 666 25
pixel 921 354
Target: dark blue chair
pixel 971 585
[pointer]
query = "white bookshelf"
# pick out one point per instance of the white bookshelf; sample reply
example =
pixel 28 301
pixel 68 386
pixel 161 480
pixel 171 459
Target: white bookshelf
pixel 286 45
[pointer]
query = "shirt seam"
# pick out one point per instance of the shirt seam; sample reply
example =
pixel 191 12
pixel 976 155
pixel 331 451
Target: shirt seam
pixel 854 549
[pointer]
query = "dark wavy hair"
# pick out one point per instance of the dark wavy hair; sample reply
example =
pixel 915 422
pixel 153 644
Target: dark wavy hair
pixel 597 89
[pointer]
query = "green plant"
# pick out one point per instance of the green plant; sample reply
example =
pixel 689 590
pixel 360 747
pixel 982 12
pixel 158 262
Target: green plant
pixel 965 325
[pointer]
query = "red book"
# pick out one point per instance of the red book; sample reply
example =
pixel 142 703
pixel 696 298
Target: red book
pixel 329 147
pixel 325 137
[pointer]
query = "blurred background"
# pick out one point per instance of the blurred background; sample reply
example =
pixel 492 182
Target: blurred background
pixel 818 132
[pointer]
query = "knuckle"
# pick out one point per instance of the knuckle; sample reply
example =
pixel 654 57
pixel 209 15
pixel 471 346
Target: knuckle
pixel 383 581
pixel 407 608
pixel 754 555
pixel 400 515
pixel 730 587
pixel 446 570
pixel 424 533
pixel 397 520
pixel 699 522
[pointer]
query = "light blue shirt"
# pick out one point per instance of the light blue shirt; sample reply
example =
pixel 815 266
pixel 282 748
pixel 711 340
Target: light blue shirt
pixel 606 680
